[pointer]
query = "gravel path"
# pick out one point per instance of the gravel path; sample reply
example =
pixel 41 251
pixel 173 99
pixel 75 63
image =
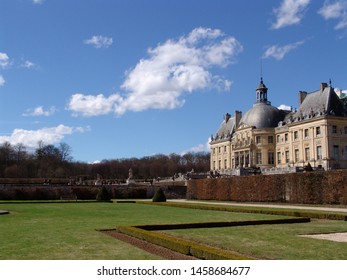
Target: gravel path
pixel 342 209
pixel 337 237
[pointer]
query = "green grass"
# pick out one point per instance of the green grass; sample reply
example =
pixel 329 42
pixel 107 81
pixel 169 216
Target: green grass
pixel 69 231
pixel 275 241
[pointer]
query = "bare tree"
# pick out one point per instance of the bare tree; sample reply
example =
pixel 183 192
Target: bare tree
pixel 65 152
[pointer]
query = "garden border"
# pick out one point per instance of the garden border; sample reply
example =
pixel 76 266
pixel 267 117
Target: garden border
pixel 280 212
pixel 192 248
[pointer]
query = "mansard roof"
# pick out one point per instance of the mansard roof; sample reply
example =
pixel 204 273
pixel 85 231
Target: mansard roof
pixel 321 102
pixel 226 129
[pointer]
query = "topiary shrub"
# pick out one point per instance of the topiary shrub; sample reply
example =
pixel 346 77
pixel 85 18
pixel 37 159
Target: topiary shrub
pixel 103 195
pixel 159 196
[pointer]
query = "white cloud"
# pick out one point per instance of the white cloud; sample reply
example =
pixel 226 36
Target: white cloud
pixel 170 70
pixel 335 10
pixel 279 52
pixel 40 111
pixel 28 64
pixel 99 41
pixel 285 107
pixel 199 148
pixel 90 105
pixel 38 1
pixel 2 81
pixel 94 162
pixel 31 138
pixel 290 12
pixel 4 60
pixel 341 93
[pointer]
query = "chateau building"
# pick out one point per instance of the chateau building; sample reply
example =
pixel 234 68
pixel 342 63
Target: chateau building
pixel 276 141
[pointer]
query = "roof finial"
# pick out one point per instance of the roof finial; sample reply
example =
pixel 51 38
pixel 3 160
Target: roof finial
pixel 261 70
pixel 330 82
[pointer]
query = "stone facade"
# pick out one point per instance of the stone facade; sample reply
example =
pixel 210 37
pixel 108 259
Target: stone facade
pixel 277 141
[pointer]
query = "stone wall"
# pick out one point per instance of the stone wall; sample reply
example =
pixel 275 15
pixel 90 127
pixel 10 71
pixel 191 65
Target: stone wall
pixel 329 187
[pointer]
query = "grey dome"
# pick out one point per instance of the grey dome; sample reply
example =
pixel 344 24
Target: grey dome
pixel 262 115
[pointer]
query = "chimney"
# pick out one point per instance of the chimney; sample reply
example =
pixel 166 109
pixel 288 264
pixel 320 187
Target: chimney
pixel 302 96
pixel 227 117
pixel 238 116
pixel 323 86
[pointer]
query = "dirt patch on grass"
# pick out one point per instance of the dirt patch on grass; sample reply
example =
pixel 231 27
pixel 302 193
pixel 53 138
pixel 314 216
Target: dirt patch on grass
pixel 337 237
pixel 148 247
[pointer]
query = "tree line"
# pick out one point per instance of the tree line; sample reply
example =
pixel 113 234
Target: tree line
pixel 49 161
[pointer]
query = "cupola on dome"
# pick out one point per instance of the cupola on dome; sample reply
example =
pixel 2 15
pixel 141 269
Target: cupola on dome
pixel 262 114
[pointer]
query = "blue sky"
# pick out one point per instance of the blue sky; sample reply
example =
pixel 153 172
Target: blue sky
pixel 133 78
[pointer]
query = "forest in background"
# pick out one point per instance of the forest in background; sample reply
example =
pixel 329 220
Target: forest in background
pixel 49 161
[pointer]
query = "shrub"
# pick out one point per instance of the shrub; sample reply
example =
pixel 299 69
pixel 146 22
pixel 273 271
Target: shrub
pixel 159 196
pixel 183 246
pixel 206 252
pixel 176 244
pixel 103 195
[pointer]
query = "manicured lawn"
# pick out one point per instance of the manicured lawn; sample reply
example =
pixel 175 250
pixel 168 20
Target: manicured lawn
pixel 69 231
pixel 275 241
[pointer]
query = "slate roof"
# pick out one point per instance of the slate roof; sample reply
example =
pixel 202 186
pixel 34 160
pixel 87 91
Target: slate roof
pixel 318 103
pixel 262 115
pixel 226 129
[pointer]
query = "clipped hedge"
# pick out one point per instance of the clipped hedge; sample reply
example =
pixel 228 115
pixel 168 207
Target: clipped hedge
pixel 280 212
pixel 224 224
pixel 183 246
pixel 206 252
pixel 326 187
pixel 159 196
pixel 103 195
pixel 19 190
pixel 176 244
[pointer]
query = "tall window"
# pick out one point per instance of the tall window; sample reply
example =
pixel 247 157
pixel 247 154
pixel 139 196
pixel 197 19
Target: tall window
pixel 270 139
pixel 286 137
pixel 296 135
pixel 296 155
pixel 336 152
pixel 287 156
pixel 306 133
pixel 278 157
pixel 259 158
pixel 318 131
pixel 334 129
pixel 225 164
pixel 319 152
pixel 307 154
pixel 278 139
pixel 258 139
pixel 271 158
pixel 237 161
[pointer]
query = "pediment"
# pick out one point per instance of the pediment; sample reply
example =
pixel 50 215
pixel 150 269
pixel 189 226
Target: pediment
pixel 243 126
